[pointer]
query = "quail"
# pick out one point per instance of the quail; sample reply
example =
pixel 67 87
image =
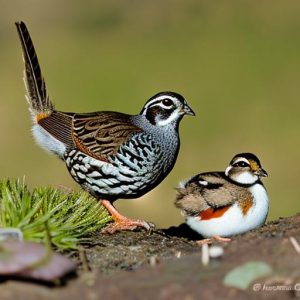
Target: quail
pixel 218 205
pixel 112 155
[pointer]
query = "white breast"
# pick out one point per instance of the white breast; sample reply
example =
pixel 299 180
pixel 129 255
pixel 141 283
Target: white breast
pixel 234 221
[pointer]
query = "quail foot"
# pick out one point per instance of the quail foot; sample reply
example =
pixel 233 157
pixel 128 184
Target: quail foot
pixel 112 155
pixel 219 205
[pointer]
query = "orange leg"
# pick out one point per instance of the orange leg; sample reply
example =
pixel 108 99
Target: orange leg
pixel 121 222
pixel 216 238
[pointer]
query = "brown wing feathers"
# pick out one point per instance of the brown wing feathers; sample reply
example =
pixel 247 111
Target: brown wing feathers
pixel 213 199
pixel 97 134
pixel 102 133
pixel 59 125
pixel 196 198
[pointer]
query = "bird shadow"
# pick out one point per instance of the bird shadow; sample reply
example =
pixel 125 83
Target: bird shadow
pixel 181 231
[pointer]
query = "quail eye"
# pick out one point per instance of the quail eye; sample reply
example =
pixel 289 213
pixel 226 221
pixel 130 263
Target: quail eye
pixel 167 102
pixel 241 164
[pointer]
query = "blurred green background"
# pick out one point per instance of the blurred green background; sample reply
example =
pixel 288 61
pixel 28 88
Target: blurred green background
pixel 236 62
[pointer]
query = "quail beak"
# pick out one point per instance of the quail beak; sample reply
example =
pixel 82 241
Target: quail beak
pixel 187 110
pixel 261 173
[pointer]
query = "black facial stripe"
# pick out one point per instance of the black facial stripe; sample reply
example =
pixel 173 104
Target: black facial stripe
pixel 241 164
pixel 157 111
pixel 163 107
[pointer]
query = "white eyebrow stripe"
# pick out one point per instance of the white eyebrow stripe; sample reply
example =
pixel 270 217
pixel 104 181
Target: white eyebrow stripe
pixel 242 159
pixel 159 99
pixel 160 104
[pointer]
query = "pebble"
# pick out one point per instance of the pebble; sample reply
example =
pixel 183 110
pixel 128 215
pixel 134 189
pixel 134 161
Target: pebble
pixel 215 251
pixel 11 234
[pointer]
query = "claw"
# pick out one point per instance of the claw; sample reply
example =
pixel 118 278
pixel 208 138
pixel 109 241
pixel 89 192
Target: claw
pixel 122 223
pixel 127 224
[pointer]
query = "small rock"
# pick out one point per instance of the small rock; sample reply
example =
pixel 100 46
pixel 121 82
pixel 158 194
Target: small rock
pixel 178 254
pixel 153 261
pixel 216 251
pixel 11 234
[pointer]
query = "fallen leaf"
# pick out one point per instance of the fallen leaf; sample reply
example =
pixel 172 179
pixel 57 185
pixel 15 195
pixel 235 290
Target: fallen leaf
pixel 242 276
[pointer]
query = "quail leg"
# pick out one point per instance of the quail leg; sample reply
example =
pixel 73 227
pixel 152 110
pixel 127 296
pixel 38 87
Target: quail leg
pixel 121 222
pixel 216 238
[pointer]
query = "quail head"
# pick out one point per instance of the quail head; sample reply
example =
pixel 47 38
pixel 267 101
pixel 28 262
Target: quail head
pixel 221 204
pixel 112 155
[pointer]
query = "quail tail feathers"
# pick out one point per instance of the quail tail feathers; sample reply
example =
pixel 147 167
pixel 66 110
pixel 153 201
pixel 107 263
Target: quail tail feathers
pixel 51 129
pixel 37 96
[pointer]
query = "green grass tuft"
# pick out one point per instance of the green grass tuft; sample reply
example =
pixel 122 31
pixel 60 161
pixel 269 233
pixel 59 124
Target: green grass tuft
pixel 67 219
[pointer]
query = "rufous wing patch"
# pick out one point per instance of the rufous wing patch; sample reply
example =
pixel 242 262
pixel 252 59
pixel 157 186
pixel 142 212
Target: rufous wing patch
pixel 87 151
pixel 211 213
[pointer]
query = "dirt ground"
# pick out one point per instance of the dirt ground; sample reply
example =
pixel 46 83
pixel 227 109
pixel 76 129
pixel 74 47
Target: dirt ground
pixel 167 265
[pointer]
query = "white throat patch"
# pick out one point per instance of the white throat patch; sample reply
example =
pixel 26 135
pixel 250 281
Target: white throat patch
pixel 246 178
pixel 169 120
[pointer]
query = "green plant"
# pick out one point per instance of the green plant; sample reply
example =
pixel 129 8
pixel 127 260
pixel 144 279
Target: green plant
pixel 66 219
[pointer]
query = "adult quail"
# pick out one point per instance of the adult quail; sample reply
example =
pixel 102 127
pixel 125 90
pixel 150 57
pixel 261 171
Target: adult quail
pixel 112 155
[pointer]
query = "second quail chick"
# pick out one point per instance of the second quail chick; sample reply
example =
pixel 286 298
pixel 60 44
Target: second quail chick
pixel 222 204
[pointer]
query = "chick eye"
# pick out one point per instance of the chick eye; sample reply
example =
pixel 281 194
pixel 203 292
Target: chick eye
pixel 241 164
pixel 167 102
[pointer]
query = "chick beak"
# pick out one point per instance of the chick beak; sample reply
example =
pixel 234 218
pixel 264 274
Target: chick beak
pixel 187 110
pixel 262 173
